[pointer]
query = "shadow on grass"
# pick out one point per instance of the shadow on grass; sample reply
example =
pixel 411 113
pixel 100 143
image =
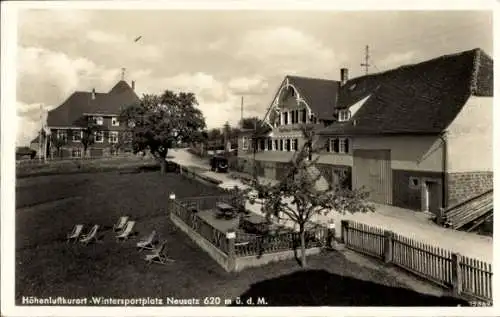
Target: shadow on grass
pixel 321 288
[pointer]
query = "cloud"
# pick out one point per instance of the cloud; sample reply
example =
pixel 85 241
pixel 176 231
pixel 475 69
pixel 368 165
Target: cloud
pixel 287 50
pixel 256 85
pixel 397 59
pixel 29 119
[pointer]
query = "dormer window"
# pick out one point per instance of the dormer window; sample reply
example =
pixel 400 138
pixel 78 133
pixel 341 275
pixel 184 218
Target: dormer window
pixel 292 91
pixel 344 115
pixel 98 120
pixel 115 122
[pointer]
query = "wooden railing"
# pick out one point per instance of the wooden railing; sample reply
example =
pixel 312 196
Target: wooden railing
pixel 466 277
pixel 199 225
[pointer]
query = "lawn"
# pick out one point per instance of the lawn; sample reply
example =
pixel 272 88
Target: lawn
pixel 49 206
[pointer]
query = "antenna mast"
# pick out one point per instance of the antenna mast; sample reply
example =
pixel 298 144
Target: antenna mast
pixel 366 64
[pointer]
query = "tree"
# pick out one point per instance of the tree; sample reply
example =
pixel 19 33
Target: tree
pixel 296 197
pixel 87 137
pixel 251 123
pixel 124 141
pixel 158 122
pixel 58 141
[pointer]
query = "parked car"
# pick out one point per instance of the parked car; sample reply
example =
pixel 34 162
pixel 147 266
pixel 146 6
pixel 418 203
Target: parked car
pixel 219 164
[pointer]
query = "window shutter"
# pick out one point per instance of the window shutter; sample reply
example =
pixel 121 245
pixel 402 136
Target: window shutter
pixel 346 145
pixel 328 145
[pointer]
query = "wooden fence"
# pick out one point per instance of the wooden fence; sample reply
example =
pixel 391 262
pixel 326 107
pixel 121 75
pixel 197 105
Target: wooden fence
pixel 466 277
pixel 243 244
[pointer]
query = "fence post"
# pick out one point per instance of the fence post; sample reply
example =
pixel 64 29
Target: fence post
pixel 170 206
pixel 344 226
pixel 231 254
pixel 456 273
pixel 388 238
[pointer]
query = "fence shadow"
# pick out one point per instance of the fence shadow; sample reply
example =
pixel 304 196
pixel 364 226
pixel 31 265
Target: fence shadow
pixel 321 288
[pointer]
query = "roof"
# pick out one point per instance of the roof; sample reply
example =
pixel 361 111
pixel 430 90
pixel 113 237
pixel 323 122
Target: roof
pixel 71 110
pixel 320 94
pixel 419 98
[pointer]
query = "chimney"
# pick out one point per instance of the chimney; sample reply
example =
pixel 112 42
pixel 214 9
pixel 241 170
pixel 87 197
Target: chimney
pixel 344 76
pixel 133 84
pixel 93 93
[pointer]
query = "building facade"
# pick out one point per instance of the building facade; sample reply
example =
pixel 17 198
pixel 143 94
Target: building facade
pixel 69 122
pixel 418 136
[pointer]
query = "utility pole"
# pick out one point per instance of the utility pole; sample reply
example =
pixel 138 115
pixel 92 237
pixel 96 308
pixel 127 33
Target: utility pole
pixel 40 133
pixel 366 64
pixel 241 119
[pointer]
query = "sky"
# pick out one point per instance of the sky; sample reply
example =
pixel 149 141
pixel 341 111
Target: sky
pixel 220 55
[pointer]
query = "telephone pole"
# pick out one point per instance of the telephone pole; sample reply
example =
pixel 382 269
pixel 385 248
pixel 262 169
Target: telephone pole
pixel 40 134
pixel 366 64
pixel 241 119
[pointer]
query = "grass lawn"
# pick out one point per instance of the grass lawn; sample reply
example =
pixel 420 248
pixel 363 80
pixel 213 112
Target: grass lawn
pixel 49 206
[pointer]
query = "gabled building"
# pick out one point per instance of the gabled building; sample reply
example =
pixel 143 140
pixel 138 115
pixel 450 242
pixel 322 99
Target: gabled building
pixel 418 136
pixel 102 109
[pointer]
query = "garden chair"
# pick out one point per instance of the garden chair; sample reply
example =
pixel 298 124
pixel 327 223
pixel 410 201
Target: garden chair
pixel 127 231
pixel 90 236
pixel 159 255
pixel 120 224
pixel 148 243
pixel 75 234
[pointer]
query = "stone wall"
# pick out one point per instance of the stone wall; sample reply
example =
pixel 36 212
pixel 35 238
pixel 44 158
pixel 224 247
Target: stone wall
pixel 463 186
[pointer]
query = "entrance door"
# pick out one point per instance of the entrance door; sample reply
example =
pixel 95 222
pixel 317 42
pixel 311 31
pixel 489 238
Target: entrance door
pixel 431 197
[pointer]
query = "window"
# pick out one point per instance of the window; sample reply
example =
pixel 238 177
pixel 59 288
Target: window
pixel 262 144
pixel 295 144
pixel 113 137
pixel 343 145
pixel 285 117
pixel 269 144
pixel 99 136
pixel 244 143
pixel 98 120
pixel 414 182
pixel 288 147
pixel 292 117
pixel 115 122
pixel 76 152
pixel 344 115
pixel 77 136
pixel 279 118
pixel 276 145
pixel 304 115
pixel 281 145
pixel 338 145
pixel 61 135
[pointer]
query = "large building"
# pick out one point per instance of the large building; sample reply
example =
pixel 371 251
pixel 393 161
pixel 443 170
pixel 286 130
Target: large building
pixel 418 136
pixel 68 121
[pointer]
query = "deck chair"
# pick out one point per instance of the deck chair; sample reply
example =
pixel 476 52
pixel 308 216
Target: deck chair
pixel 75 234
pixel 147 243
pixel 159 255
pixel 90 236
pixel 120 224
pixel 127 231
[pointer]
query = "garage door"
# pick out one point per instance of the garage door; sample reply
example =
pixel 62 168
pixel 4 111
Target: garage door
pixel 372 169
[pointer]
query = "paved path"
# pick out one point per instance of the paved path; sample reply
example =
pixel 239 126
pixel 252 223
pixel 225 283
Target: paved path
pixel 409 223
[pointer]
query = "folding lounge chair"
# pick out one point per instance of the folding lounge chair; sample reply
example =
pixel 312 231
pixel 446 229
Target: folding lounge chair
pixel 92 235
pixel 75 234
pixel 159 255
pixel 120 224
pixel 127 231
pixel 148 243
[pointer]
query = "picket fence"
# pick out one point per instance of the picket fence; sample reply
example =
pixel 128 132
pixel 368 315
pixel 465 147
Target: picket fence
pixel 465 276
